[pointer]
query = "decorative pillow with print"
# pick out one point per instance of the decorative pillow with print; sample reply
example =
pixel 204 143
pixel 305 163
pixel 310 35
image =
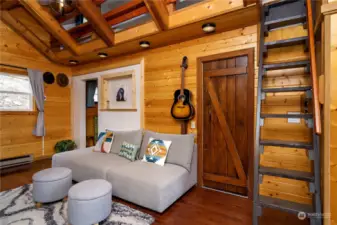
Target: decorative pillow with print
pixel 156 151
pixel 104 142
pixel 129 151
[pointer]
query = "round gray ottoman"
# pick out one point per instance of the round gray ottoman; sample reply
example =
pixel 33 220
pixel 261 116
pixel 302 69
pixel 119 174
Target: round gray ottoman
pixel 51 185
pixel 89 202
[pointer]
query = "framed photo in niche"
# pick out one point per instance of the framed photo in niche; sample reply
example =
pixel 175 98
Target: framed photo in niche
pixel 118 92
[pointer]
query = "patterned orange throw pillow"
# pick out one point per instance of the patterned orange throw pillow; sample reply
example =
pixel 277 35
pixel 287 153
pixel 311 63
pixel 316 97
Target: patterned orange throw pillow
pixel 156 151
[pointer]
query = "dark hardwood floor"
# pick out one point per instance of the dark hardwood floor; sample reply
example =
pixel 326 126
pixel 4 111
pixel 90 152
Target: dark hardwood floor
pixel 198 206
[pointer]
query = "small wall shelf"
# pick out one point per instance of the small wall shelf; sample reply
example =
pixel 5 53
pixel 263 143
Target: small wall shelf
pixel 118 92
pixel 118 110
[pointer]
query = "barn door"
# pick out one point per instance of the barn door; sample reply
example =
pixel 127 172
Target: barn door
pixel 227 102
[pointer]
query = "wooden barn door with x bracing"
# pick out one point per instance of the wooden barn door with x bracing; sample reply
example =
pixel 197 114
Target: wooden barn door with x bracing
pixel 226 121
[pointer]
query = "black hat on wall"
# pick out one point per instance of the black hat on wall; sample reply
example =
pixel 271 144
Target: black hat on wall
pixel 48 78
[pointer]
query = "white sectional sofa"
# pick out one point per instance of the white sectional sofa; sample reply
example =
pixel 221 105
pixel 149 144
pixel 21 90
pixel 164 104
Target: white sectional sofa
pixel 145 184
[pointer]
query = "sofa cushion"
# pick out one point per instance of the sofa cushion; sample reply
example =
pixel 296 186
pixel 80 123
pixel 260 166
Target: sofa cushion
pixel 86 164
pixel 149 185
pixel 132 137
pixel 181 149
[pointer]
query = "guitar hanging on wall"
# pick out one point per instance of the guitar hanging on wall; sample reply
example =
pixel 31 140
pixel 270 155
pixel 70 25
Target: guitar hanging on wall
pixel 182 108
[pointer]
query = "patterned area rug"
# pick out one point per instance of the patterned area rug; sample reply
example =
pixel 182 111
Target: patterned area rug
pixel 17 208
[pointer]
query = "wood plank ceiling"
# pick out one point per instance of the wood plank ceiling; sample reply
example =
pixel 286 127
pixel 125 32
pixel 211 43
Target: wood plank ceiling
pixel 83 42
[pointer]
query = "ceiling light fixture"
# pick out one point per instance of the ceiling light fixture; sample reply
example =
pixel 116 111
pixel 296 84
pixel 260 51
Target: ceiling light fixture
pixel 102 54
pixel 208 27
pixel 144 44
pixel 73 62
pixel 59 7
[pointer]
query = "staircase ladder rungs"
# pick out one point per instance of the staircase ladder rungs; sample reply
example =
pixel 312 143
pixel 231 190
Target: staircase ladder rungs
pixel 279 3
pixel 286 42
pixel 290 174
pixel 287 89
pixel 287 144
pixel 283 205
pixel 286 65
pixel 291 20
pixel 290 116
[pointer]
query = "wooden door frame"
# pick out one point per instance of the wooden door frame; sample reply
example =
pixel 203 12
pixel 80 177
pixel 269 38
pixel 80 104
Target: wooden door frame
pixel 200 107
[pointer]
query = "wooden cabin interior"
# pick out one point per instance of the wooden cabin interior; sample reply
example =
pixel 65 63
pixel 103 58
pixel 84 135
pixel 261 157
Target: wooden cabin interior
pixel 252 84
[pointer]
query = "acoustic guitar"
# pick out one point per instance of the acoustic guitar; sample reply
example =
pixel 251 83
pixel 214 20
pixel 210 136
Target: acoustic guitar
pixel 182 108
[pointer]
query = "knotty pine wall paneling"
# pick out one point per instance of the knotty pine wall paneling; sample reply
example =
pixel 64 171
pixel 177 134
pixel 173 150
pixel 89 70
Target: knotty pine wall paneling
pixel 333 119
pixel 16 137
pixel 162 78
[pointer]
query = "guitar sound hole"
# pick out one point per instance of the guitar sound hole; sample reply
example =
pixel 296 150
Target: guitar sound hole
pixel 182 97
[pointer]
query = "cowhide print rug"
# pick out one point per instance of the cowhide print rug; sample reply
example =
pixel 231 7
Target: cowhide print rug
pixel 18 208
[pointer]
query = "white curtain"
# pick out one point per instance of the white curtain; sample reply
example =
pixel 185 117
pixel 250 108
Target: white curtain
pixel 36 81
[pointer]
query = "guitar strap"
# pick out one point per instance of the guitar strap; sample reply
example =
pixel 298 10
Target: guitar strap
pixel 184 125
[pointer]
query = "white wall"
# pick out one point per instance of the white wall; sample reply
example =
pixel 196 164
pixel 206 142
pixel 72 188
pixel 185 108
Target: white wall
pixel 112 120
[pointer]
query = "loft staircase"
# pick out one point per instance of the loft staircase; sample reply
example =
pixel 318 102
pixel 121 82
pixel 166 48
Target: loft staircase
pixel 275 16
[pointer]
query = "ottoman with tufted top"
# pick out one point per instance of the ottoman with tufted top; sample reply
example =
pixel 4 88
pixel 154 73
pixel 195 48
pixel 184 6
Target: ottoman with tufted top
pixel 51 185
pixel 89 202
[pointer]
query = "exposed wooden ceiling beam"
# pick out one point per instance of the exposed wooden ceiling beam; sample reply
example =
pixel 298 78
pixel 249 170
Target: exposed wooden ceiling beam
pixel 29 36
pixel 159 13
pixel 209 10
pixel 98 22
pixel 126 8
pixel 127 16
pixel 8 4
pixel 51 24
pixel 113 17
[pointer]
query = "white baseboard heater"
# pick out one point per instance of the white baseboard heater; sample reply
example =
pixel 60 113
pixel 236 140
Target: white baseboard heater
pixel 17 161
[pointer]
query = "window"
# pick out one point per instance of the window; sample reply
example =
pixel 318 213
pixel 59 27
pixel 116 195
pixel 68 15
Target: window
pixel 96 95
pixel 15 93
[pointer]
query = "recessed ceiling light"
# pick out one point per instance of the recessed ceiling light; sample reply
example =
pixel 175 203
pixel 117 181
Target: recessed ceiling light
pixel 102 54
pixel 73 62
pixel 208 27
pixel 144 44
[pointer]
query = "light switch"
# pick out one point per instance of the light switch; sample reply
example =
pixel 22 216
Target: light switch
pixel 192 124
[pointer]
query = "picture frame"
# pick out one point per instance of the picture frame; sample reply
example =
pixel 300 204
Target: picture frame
pixel 118 92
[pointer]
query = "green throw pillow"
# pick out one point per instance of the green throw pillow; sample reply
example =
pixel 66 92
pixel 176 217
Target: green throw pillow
pixel 129 151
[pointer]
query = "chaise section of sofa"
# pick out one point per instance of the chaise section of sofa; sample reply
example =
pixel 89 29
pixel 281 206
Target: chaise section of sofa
pixel 152 186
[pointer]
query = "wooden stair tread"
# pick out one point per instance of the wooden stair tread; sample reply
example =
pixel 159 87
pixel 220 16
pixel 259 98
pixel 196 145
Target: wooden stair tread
pixel 291 174
pixel 286 42
pixel 300 116
pixel 286 65
pixel 287 89
pixel 291 20
pixel 288 144
pixel 286 206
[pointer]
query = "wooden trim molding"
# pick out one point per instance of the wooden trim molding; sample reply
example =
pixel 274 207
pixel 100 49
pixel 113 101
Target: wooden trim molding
pixel 5 113
pixel 119 110
pixel 104 90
